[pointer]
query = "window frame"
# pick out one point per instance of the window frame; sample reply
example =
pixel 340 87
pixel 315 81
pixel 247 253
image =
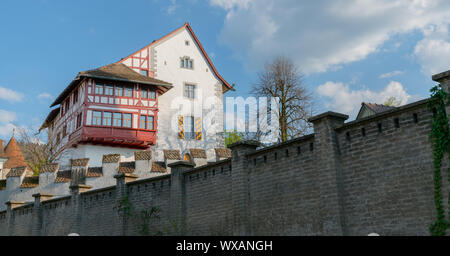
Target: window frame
pixel 98 85
pixel 148 93
pixel 194 91
pixel 192 131
pixel 108 86
pixel 125 87
pixel 146 122
pixel 187 62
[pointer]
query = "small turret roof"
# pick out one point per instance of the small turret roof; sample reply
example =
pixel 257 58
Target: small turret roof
pixel 14 154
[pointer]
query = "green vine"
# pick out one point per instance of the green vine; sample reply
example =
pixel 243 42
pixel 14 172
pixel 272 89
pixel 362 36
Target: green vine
pixel 440 139
pixel 141 218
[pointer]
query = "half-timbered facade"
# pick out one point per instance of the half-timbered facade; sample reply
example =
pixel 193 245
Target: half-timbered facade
pixel 105 110
pixel 135 104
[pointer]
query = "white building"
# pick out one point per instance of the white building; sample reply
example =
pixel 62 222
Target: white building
pixel 167 95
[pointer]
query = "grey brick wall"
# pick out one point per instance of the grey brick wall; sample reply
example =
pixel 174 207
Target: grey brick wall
pixel 208 200
pixel 388 176
pixel 370 175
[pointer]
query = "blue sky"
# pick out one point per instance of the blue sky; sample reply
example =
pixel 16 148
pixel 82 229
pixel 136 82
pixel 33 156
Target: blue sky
pixel 350 51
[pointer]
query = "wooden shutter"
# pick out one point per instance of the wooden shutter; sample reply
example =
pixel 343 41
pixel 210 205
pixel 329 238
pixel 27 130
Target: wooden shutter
pixel 198 128
pixel 180 127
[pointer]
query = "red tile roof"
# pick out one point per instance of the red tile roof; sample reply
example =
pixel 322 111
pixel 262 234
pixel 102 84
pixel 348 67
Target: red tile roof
pixel 30 182
pixel 127 167
pixel 158 167
pixel 14 154
pixel 63 176
pixel 223 152
pixel 114 72
pixel 198 153
pixel 172 154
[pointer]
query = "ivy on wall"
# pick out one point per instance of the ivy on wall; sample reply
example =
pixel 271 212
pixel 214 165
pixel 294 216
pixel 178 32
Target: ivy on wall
pixel 440 139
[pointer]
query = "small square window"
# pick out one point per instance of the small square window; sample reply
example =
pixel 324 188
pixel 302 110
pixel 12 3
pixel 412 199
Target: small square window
pixel 126 120
pixel 128 91
pixel 97 118
pixel 144 94
pixel 109 90
pixel 117 119
pixel 189 91
pixel 119 91
pixel 99 89
pixel 186 43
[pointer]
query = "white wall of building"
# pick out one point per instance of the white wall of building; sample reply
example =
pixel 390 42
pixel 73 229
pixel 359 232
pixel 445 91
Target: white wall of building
pixel 166 61
pixel 95 154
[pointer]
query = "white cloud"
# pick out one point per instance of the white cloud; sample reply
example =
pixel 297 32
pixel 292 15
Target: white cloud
pixel 320 35
pixel 341 98
pixel 10 95
pixel 172 7
pixel 391 74
pixel 44 96
pixel 6 122
pixel 433 51
pixel 229 4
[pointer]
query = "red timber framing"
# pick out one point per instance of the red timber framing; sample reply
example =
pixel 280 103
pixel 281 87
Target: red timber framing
pixel 111 135
pixel 141 61
pixel 147 49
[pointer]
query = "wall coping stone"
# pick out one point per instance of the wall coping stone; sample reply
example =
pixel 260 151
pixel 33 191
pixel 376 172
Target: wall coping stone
pixel 384 114
pixel 181 164
pixel 251 143
pixel 209 165
pixel 440 76
pixel 328 114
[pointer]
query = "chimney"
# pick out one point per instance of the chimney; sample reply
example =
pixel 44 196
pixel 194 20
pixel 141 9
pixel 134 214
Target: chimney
pixel 1 148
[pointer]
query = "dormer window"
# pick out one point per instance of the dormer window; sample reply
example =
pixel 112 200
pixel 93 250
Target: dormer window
pixel 187 62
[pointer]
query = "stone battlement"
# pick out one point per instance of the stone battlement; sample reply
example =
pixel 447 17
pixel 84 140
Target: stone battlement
pixel 19 185
pixel 373 175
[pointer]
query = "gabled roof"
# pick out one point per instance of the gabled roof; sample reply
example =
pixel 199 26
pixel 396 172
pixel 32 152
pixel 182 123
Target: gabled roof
pixel 113 72
pixel 373 108
pixel 14 154
pixel 189 28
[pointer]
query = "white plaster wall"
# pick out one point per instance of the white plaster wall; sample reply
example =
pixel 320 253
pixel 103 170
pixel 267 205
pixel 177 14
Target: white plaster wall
pixel 167 68
pixel 15 193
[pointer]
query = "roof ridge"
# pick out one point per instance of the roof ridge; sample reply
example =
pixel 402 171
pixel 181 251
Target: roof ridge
pixel 189 28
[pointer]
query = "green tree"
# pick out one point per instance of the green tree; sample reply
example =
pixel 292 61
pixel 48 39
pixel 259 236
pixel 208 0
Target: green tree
pixel 232 136
pixel 392 102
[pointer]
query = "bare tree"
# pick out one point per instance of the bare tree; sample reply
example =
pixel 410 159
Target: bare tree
pixel 34 150
pixel 281 78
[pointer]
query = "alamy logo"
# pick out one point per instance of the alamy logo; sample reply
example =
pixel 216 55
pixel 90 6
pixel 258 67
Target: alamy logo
pixel 249 115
